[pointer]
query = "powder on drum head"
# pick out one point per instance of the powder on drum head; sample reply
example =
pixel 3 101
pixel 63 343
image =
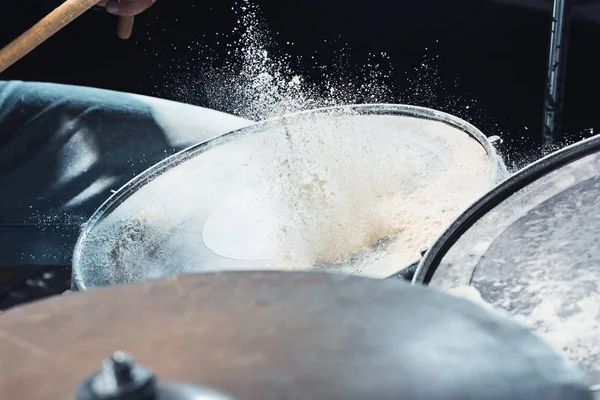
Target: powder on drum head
pixel 573 335
pixel 362 194
pixel 355 194
pixel 536 256
pixel 344 197
pixel 133 253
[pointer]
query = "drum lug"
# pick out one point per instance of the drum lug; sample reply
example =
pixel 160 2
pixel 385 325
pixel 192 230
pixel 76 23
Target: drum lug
pixel 407 273
pixel 495 140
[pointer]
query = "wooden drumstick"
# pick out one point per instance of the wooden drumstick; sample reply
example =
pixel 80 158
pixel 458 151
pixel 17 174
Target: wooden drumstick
pixel 125 27
pixel 40 32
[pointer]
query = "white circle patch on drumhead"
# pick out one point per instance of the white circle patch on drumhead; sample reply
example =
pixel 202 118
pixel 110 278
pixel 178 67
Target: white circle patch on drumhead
pixel 242 229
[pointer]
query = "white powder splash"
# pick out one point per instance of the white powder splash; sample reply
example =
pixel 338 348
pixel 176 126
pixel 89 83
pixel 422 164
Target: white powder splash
pixel 364 194
pixel 349 193
pixel 257 82
pixel 256 79
pixel 360 197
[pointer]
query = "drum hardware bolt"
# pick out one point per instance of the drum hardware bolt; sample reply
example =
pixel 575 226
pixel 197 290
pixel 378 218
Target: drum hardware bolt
pixel 408 273
pixel 118 371
pixel 595 388
pixel 121 379
pixel 495 140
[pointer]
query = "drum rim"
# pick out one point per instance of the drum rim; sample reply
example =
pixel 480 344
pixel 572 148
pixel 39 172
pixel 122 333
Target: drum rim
pixel 432 259
pixel 155 171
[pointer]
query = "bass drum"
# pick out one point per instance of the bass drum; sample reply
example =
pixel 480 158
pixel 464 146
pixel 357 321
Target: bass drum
pixel 354 189
pixel 532 247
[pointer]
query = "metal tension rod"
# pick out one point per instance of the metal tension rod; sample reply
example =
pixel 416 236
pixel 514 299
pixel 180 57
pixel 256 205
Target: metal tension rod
pixel 557 61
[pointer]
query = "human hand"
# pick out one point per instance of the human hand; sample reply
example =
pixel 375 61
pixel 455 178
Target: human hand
pixel 126 7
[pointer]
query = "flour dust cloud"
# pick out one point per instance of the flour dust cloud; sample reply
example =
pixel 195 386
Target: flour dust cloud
pixel 257 82
pixel 356 197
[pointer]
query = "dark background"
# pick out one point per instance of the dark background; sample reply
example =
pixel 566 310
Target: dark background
pixel 487 56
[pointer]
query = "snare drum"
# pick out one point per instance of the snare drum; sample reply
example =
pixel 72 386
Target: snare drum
pixel 354 189
pixel 532 247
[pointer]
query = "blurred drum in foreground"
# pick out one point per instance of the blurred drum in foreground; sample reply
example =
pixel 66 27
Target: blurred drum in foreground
pixel 278 335
pixel 532 247
pixel 354 190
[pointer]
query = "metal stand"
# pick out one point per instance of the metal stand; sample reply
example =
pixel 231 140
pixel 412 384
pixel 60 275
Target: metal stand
pixel 123 379
pixel 557 60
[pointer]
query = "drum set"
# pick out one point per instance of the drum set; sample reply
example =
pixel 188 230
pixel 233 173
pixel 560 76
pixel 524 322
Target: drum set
pixel 372 251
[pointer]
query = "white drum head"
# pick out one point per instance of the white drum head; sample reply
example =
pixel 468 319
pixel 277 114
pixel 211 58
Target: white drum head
pixel 355 190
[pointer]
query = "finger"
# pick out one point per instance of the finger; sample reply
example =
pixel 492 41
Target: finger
pixel 128 7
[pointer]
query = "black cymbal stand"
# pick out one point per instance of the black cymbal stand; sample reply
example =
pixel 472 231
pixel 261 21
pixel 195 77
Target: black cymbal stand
pixel 555 81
